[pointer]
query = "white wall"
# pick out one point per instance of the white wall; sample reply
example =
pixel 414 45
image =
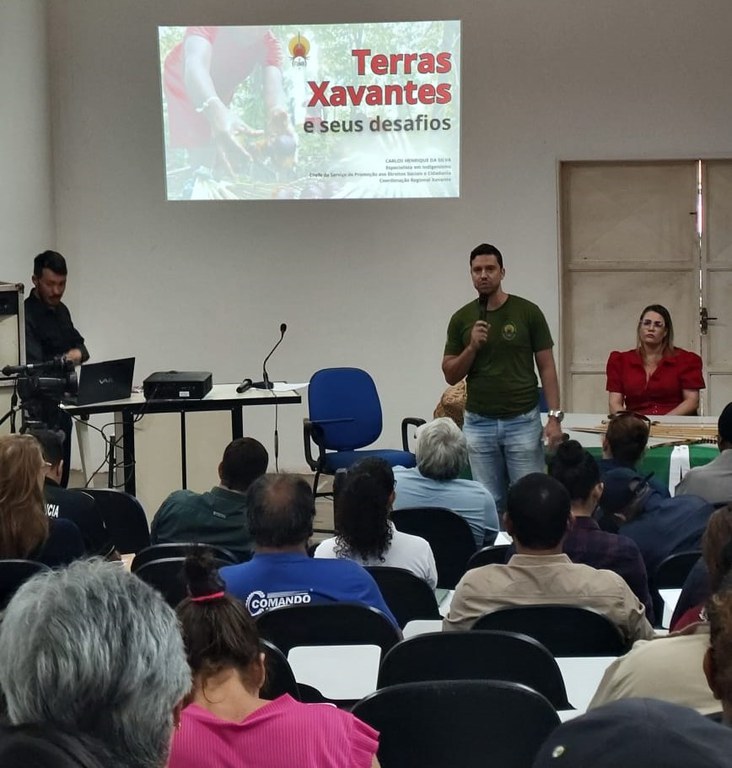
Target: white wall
pixel 26 212
pixel 206 285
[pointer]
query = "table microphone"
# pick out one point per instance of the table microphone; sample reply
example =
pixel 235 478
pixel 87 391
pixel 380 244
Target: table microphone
pixel 483 304
pixel 266 383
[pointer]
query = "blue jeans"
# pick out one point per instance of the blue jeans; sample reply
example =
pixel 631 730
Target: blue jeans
pixel 503 450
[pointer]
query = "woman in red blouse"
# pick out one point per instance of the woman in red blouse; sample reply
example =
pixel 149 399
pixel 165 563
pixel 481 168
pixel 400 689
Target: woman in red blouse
pixel 655 378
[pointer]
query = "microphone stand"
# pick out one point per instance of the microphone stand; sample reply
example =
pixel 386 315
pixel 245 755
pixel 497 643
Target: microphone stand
pixel 266 383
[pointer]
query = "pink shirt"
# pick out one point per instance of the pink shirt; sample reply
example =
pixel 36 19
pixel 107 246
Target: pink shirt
pixel 282 734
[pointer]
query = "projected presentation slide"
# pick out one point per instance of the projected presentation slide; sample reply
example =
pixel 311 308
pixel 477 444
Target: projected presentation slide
pixel 326 111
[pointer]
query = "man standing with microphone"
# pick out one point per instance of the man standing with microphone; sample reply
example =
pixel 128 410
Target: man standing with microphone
pixel 495 340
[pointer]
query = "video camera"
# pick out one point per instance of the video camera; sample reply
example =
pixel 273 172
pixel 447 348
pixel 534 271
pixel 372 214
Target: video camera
pixel 41 387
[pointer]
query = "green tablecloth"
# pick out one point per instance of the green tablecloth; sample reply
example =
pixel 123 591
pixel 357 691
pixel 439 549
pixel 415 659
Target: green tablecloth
pixel 657 460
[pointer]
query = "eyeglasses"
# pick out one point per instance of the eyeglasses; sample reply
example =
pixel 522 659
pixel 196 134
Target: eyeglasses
pixel 624 414
pixel 653 324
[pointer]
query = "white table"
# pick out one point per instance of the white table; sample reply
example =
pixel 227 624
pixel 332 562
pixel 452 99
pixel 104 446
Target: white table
pixel 222 397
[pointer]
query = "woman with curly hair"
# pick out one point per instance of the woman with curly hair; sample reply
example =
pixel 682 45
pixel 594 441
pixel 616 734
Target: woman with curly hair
pixel 225 722
pixel 25 530
pixel 718 659
pixel 364 532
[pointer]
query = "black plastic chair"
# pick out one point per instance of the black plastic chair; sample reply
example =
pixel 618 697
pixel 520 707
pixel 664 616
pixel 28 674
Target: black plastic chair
pixel 123 517
pixel 279 677
pixel 407 596
pixel 466 723
pixel 327 624
pixel 176 549
pixel 671 574
pixel 344 417
pixel 167 577
pixel 14 573
pixel 495 555
pixel 475 656
pixel 448 535
pixel 564 630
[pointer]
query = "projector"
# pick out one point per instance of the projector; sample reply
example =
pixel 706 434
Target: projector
pixel 177 385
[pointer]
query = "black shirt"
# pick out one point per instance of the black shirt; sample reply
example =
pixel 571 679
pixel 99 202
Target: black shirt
pixel 81 509
pixel 63 545
pixel 49 331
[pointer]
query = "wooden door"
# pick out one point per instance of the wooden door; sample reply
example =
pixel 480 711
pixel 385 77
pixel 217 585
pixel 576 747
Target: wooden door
pixel 628 239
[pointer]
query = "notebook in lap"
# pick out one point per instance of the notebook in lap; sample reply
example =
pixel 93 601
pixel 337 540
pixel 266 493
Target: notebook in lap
pixel 99 382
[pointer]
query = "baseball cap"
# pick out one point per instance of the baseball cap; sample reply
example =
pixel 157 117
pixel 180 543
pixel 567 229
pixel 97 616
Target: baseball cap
pixel 622 487
pixel 638 733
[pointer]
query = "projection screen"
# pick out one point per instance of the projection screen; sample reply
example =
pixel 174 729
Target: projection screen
pixel 326 111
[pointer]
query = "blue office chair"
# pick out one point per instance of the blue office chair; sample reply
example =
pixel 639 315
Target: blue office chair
pixel 345 417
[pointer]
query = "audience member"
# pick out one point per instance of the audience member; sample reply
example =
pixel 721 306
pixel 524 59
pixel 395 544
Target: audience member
pixel 280 512
pixel 38 745
pixel 25 530
pixel 364 532
pixel 217 517
pixel 718 659
pixel 68 504
pixel 638 733
pixel 226 722
pixel 707 575
pixel 659 526
pixel 442 454
pixel 538 517
pixel 713 481
pixel 91 648
pixel 578 472
pixel 624 444
pixel 667 668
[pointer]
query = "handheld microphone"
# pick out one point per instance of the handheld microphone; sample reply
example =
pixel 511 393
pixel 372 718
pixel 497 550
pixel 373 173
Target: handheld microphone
pixel 483 305
pixel 266 383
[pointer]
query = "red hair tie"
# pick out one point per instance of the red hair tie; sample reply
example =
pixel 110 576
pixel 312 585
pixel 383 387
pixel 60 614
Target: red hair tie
pixel 205 598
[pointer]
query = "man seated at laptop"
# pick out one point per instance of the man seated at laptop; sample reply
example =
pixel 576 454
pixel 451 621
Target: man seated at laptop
pixel 74 505
pixel 538 516
pixel 280 512
pixel 217 517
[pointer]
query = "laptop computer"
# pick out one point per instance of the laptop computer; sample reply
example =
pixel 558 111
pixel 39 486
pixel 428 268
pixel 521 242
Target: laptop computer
pixel 100 382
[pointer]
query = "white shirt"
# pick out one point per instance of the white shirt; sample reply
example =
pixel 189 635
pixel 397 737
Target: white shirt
pixel 410 552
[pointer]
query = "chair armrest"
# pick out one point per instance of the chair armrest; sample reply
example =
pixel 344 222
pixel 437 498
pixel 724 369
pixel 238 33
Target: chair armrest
pixel 310 434
pixel 410 421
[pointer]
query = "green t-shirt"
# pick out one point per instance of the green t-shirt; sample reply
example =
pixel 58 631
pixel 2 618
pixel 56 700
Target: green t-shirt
pixel 501 382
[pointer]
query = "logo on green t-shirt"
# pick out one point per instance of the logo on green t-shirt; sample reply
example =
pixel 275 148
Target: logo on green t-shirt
pixel 509 331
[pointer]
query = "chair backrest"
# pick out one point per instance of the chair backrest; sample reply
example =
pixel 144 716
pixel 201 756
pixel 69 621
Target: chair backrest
pixel 13 573
pixel 466 723
pixel 123 517
pixel 670 574
pixel 167 577
pixel 176 549
pixel 448 535
pixel 475 656
pixel 492 555
pixel 345 409
pixel 327 624
pixel 565 630
pixel 279 678
pixel 407 596
pixel 672 571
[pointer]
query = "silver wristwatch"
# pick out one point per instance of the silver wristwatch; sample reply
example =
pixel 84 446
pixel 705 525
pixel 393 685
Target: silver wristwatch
pixel 558 415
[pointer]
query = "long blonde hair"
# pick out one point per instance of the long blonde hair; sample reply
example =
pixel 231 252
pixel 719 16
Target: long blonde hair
pixel 23 520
